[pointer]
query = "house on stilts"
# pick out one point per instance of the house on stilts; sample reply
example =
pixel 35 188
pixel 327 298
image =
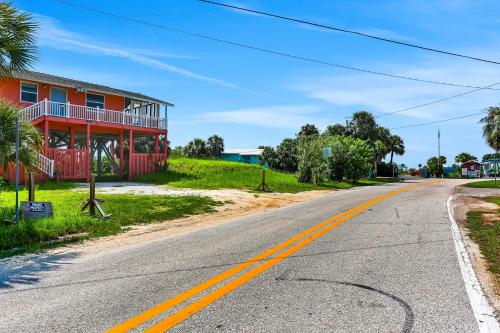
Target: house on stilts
pixel 83 122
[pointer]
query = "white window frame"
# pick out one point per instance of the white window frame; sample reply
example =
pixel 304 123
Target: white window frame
pixel 103 100
pixel 21 92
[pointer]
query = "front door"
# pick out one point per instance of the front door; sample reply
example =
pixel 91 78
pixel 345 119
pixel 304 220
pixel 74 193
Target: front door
pixel 58 99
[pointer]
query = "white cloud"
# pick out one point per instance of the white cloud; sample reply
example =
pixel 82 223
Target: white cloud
pixel 289 117
pixel 51 35
pixel 381 95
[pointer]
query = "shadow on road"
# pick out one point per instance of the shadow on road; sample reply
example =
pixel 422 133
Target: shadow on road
pixel 26 270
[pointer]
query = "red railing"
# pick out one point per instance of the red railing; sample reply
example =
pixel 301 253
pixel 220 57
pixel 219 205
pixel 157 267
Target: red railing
pixel 69 163
pixel 143 164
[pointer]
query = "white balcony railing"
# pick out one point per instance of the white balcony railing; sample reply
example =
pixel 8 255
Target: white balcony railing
pixel 72 111
pixel 45 165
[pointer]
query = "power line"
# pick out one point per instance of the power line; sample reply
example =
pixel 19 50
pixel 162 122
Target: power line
pixel 435 102
pixel 350 32
pixel 439 121
pixel 260 49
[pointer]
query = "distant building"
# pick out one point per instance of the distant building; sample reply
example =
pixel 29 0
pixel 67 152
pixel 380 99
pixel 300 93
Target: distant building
pixel 471 169
pixel 251 156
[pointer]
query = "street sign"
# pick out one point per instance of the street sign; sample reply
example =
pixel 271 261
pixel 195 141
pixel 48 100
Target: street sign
pixel 36 210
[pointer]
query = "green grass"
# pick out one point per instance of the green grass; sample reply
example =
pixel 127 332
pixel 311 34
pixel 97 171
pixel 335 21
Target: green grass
pixel 127 209
pixel 483 184
pixel 487 236
pixel 213 174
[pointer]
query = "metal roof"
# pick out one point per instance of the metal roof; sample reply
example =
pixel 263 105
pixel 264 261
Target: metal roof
pixel 243 151
pixel 65 82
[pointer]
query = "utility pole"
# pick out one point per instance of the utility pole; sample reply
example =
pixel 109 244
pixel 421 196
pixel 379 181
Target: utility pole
pixel 439 152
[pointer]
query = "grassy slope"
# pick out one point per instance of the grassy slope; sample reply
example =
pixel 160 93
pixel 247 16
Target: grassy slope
pixel 487 236
pixel 212 174
pixel 483 184
pixel 68 219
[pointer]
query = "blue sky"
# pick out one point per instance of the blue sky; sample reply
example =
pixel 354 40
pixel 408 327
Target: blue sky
pixel 251 98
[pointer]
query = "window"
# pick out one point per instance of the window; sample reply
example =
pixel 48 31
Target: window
pixel 29 92
pixel 95 101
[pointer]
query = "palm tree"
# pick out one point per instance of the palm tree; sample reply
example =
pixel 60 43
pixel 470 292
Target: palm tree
pixel 396 146
pixel 17 40
pixel 491 125
pixel 29 138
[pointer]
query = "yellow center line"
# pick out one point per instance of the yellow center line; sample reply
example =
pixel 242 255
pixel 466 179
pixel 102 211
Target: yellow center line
pixel 225 289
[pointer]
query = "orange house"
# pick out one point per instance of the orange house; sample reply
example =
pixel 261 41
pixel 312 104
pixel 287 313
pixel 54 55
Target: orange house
pixel 82 121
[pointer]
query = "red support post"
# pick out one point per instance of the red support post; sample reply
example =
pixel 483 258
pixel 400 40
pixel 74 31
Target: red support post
pixel 121 154
pixel 46 137
pixel 87 147
pixel 71 138
pixel 112 148
pixel 157 143
pixel 130 154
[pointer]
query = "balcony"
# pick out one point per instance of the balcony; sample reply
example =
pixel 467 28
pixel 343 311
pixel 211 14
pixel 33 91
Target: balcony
pixel 80 112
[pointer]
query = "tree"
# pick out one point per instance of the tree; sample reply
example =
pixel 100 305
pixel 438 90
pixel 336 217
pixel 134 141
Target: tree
pixel 464 157
pixel 269 156
pixel 312 164
pixel 196 148
pixel 436 165
pixel 491 124
pixel 349 157
pixel 287 155
pixel 29 138
pixel 308 130
pixel 490 156
pixel 336 129
pixel 396 146
pixel 363 126
pixel 17 40
pixel 215 146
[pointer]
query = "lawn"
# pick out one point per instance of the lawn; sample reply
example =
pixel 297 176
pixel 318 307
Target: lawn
pixel 486 233
pixel 483 184
pixel 68 220
pixel 213 174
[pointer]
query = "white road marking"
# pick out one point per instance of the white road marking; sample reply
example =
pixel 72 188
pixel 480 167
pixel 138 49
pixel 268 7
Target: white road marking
pixel 483 311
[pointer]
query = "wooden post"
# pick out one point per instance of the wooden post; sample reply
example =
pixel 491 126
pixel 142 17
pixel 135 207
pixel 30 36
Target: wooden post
pixel 92 195
pixel 263 185
pixel 130 154
pixel 31 187
pixel 157 144
pixel 71 137
pixel 87 147
pixel 46 136
pixel 121 154
pixel 112 147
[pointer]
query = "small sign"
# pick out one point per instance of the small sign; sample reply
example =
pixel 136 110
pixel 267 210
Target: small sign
pixel 464 172
pixel 36 210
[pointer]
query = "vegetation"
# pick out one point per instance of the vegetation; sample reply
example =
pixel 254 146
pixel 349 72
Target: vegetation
pixel 127 209
pixel 436 165
pixel 350 158
pixel 486 233
pixel 481 184
pixel 491 124
pixel 17 40
pixel 29 138
pixel 199 148
pixel 465 157
pixel 490 156
pixel 215 174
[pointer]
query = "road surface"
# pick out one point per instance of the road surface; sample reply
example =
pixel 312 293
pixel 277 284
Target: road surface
pixel 372 259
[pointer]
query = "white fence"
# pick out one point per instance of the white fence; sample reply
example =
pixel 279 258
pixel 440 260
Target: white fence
pixel 72 111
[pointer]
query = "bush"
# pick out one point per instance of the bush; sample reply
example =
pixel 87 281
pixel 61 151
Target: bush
pixel 312 164
pixel 350 158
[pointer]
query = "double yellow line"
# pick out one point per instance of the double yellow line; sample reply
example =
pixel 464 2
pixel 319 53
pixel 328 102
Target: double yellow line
pixel 302 239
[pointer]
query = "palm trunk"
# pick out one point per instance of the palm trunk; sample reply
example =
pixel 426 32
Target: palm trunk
pixel 392 155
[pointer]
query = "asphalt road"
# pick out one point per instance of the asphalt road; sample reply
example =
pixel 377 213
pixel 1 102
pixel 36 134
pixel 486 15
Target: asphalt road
pixel 388 266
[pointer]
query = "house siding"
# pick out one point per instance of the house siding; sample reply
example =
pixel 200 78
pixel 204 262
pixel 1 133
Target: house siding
pixel 10 89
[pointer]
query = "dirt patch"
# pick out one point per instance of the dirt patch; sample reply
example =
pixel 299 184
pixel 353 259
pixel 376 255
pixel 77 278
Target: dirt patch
pixel 490 218
pixel 236 204
pixel 471 199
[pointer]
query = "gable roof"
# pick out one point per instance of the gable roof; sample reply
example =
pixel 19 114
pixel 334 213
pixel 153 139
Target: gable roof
pixel 70 83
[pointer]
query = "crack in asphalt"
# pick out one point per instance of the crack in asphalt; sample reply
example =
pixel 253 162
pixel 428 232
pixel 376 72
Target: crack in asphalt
pixel 409 316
